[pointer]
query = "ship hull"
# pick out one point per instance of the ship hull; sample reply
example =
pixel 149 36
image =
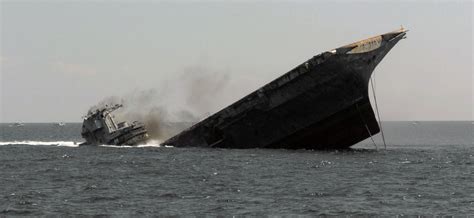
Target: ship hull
pixel 321 104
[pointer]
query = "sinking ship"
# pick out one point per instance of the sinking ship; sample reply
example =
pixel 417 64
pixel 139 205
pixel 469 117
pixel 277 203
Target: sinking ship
pixel 322 103
pixel 100 128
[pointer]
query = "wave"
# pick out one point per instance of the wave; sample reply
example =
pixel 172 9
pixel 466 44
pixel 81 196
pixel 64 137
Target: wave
pixel 152 143
pixel 50 143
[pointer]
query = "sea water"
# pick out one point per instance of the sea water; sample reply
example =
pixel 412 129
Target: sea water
pixel 427 168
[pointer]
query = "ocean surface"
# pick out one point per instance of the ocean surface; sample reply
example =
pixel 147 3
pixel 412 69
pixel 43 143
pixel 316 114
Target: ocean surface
pixel 427 168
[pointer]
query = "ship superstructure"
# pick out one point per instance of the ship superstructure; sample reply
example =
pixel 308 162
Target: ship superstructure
pixel 100 127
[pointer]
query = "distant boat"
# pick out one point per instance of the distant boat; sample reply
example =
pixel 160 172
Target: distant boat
pixel 415 123
pixel 17 124
pixel 60 124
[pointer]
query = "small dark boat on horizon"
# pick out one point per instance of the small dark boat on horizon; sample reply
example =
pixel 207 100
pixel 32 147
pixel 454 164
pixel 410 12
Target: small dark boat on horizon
pixel 321 104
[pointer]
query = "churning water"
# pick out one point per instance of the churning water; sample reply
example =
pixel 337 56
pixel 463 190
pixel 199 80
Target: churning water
pixel 427 169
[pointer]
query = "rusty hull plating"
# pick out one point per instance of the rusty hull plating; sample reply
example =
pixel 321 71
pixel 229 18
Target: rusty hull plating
pixel 321 104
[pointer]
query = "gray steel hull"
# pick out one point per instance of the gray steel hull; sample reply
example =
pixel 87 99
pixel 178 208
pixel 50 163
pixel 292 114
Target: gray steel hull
pixel 321 104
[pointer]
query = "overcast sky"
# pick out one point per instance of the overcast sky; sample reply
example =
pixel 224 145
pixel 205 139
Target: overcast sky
pixel 59 58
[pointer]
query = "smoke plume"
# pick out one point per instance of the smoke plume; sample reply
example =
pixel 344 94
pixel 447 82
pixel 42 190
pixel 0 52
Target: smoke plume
pixel 173 105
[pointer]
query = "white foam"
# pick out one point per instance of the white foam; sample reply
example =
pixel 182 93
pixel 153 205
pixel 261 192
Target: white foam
pixel 151 143
pixel 117 146
pixel 51 143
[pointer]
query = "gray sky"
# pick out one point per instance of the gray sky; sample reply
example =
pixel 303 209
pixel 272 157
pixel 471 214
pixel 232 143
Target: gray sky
pixel 59 58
